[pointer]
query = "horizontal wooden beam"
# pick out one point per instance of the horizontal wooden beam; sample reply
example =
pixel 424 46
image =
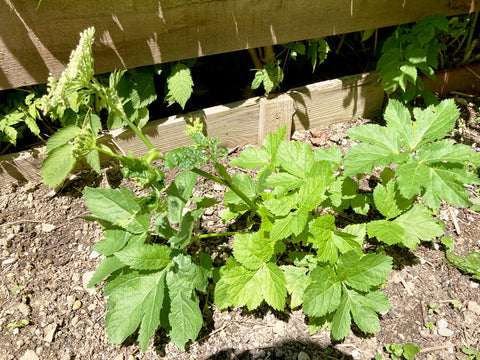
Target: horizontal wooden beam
pixel 236 124
pixel 37 40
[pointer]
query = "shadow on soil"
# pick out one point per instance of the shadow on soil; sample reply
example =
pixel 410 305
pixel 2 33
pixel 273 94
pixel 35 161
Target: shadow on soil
pixel 286 350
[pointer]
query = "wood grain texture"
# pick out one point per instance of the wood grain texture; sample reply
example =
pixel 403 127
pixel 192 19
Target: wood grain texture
pixel 130 33
pixel 338 100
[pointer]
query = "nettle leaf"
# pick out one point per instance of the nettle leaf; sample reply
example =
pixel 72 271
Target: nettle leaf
pixel 341 322
pixel 239 286
pixel 362 272
pixel 283 179
pixel 246 184
pixel 179 192
pixel 434 122
pixel 383 148
pixel 62 137
pixel 389 201
pixel 332 155
pixel 293 223
pixel 183 317
pixel 58 164
pixel 185 158
pixel 113 205
pixel 93 159
pixel 142 90
pixel 251 158
pixel 437 175
pixel 135 299
pixel 469 263
pixel 272 142
pixel 270 76
pixel 323 295
pixel 115 239
pixel 179 85
pixel 296 158
pixel 106 267
pixel 145 257
pixel 415 225
pixel 297 282
pixel 252 250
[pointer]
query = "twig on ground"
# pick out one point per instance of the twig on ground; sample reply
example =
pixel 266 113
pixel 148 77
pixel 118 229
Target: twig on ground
pixel 455 222
pixel 435 348
pixel 405 285
pixel 20 222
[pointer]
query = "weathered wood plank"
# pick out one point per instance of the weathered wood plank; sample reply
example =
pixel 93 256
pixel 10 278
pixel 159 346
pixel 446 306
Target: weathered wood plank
pixel 338 100
pixel 236 123
pixel 35 42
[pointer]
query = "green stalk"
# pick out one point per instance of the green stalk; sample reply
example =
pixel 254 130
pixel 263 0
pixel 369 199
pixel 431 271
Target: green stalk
pixel 109 153
pixel 468 49
pixel 235 189
pixel 139 133
pixel 206 236
pixel 99 89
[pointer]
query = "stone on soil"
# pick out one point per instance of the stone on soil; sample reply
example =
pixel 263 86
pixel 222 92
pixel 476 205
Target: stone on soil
pixel 30 355
pixel 303 356
pixel 49 332
pixel 474 307
pixel 445 332
pixel 24 309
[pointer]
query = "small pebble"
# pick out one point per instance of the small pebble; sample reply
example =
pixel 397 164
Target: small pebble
pixel 442 323
pixel 474 307
pixel 70 301
pixel 8 261
pixel 445 332
pixel 303 356
pixel 77 305
pixel 75 320
pixel 20 343
pixel 49 332
pixel 24 309
pixel 30 355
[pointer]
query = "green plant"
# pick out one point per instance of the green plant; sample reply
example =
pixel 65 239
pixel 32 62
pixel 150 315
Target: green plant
pixel 291 249
pixel 469 264
pixel 410 51
pixel 271 75
pixel 455 304
pixel 432 308
pixel 18 110
pixel 472 353
pixel 430 325
pixel 398 351
pixel 21 324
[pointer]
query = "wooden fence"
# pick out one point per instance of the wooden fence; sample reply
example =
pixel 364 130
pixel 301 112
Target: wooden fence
pixel 36 41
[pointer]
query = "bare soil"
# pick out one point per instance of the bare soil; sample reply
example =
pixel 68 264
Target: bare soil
pixel 46 311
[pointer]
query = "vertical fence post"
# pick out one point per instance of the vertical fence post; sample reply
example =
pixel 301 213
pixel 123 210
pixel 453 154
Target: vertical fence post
pixel 274 113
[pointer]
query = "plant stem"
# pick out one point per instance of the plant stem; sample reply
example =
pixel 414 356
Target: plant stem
pixel 111 154
pixel 139 133
pixel 468 46
pixel 234 188
pixel 206 236
pixel 110 100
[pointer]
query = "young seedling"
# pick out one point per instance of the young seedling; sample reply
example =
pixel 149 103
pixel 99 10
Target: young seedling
pixel 398 351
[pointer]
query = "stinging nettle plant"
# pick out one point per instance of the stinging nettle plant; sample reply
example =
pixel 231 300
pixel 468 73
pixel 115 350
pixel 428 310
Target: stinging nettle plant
pixel 292 250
